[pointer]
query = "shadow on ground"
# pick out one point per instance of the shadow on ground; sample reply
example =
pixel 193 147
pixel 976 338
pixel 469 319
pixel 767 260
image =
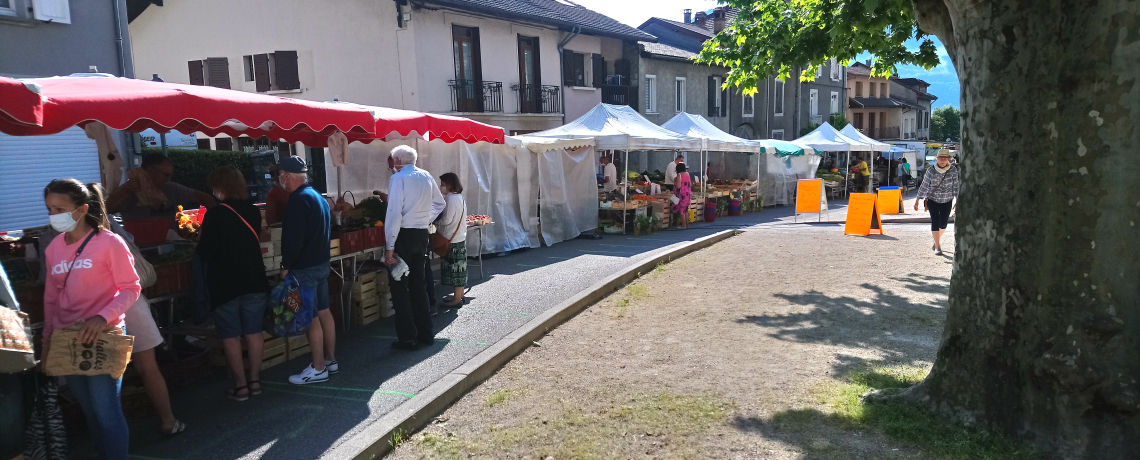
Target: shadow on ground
pixel 880 322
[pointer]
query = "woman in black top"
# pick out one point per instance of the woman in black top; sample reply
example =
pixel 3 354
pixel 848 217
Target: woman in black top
pixel 230 246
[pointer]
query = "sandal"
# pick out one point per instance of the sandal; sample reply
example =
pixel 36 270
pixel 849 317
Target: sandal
pixel 178 428
pixel 254 391
pixel 235 394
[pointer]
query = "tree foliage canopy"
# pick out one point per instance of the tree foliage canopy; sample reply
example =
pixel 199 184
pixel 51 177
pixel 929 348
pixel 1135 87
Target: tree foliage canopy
pixel 774 37
pixel 945 123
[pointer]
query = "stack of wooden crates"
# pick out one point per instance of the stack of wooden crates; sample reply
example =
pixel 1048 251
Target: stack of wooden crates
pixel 371 299
pixel 271 250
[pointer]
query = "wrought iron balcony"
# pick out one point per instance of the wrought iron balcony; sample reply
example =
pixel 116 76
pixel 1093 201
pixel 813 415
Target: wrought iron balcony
pixel 620 95
pixel 476 96
pixel 538 99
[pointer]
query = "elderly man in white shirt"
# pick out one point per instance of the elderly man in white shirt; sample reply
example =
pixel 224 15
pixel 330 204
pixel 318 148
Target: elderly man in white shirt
pixel 414 201
pixel 671 172
pixel 609 170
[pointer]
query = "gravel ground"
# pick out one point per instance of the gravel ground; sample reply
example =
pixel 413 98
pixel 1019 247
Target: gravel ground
pixel 720 354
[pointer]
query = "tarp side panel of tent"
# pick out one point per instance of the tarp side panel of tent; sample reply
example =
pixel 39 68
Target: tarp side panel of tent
pixel 569 204
pixel 528 190
pixel 488 173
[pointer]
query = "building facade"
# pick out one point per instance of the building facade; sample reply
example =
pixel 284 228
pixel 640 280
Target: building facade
pixel 47 38
pixel 522 65
pixel 888 109
pixel 778 109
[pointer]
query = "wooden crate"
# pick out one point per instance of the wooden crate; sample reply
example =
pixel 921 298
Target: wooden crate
pixel 272 355
pixel 334 247
pixel 296 347
pixel 365 311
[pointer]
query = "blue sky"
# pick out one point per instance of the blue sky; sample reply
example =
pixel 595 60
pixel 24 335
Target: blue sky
pixel 943 80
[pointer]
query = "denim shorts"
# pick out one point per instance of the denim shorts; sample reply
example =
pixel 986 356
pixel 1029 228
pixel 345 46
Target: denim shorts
pixel 317 278
pixel 241 316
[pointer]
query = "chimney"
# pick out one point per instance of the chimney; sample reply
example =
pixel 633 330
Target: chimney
pixel 700 19
pixel 688 15
pixel 718 19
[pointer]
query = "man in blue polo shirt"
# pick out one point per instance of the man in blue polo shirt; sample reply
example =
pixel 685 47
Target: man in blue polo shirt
pixel 305 255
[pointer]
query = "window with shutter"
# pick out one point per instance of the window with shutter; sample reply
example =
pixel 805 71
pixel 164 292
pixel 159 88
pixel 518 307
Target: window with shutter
pixel 285 70
pixel 813 102
pixel 723 102
pixel 573 68
pixel 247 66
pixel 218 70
pixel 52 10
pixel 712 97
pixel 599 69
pixel 747 106
pixel 195 71
pixel 681 104
pixel 778 97
pixel 650 94
pixel 261 72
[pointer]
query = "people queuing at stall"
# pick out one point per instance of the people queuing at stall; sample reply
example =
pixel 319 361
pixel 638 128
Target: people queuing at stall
pixel 414 202
pixel 305 255
pixel 230 246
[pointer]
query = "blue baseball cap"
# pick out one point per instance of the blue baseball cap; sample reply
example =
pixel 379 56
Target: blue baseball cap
pixel 294 165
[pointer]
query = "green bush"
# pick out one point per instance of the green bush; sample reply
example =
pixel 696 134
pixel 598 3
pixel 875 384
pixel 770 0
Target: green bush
pixel 192 167
pixel 838 120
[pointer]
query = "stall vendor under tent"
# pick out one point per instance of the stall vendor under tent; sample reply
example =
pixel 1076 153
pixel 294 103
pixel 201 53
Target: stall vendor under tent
pixel 149 193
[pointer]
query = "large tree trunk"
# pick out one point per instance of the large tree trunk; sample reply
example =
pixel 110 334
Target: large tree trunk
pixel 1042 338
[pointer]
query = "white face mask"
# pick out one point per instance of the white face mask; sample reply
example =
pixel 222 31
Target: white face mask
pixel 219 196
pixel 63 222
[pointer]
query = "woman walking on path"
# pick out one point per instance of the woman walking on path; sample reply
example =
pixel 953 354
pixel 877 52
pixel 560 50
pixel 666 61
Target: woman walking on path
pixel 452 224
pixel 92 281
pixel 231 249
pixel 683 190
pixel 939 188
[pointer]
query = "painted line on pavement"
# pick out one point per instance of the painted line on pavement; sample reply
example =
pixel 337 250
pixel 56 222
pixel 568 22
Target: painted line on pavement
pixel 532 266
pixel 326 387
pixel 441 339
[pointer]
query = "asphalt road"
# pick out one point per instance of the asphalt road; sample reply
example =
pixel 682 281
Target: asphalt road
pixel 289 421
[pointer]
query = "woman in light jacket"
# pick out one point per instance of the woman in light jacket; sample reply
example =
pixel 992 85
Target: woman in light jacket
pixel 91 281
pixel 452 224
pixel 938 190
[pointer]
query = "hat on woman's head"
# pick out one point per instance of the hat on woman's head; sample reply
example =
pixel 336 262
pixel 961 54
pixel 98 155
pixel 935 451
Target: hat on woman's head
pixel 944 153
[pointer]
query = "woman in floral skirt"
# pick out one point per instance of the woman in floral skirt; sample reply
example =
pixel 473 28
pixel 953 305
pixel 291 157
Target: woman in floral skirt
pixel 683 190
pixel 452 224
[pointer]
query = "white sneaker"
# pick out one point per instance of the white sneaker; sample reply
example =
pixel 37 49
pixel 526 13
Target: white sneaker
pixel 331 366
pixel 309 375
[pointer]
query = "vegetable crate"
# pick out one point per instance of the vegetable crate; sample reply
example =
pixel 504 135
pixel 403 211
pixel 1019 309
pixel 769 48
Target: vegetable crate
pixel 273 352
pixel 334 247
pixel 169 278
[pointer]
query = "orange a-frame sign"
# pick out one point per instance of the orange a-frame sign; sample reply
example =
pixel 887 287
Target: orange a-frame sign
pixel 863 215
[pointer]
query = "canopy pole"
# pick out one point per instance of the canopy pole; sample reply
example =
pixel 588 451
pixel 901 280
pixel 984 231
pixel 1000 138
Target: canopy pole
pixel 625 179
pixel 847 181
pixel 165 150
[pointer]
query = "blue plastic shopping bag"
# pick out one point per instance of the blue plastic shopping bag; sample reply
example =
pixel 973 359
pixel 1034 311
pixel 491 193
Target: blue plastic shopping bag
pixel 290 308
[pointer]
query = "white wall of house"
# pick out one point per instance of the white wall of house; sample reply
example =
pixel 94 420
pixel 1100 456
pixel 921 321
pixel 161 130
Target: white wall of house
pixel 347 49
pixel 498 41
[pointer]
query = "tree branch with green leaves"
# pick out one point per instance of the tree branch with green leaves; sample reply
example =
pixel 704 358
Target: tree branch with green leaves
pixel 779 37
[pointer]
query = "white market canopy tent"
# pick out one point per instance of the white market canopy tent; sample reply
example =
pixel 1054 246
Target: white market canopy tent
pixel 853 133
pixel 828 139
pixel 619 127
pixel 714 139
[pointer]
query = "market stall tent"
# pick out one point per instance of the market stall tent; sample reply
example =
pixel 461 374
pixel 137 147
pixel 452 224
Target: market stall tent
pixel 619 127
pixel 503 181
pixel 715 140
pixel 853 133
pixel 826 138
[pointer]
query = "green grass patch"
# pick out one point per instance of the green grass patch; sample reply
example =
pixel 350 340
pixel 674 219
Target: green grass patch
pixel 919 427
pixel 632 293
pixel 926 320
pixel 501 396
pixel 442 445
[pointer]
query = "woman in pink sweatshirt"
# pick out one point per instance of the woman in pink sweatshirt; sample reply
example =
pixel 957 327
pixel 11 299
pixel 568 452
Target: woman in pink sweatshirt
pixel 91 280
